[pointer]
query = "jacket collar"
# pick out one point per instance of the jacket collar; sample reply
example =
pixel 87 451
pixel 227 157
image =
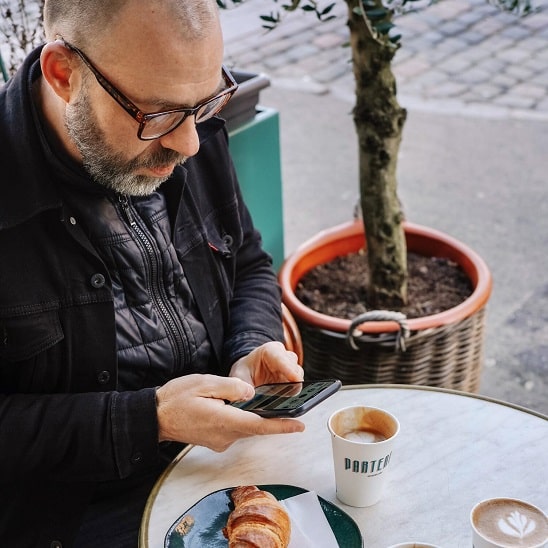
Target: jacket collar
pixel 25 185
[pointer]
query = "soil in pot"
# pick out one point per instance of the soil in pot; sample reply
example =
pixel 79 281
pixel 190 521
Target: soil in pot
pixel 337 288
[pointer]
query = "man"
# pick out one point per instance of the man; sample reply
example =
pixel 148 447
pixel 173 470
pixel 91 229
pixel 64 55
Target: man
pixel 135 298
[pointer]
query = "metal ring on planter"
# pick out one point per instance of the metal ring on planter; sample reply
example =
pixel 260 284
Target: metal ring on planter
pixel 397 338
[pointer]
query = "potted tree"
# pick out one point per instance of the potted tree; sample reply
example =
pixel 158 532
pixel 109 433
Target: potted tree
pixel 330 343
pixel 379 121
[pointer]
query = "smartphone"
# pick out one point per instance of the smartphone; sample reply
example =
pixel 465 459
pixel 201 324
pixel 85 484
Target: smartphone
pixel 288 399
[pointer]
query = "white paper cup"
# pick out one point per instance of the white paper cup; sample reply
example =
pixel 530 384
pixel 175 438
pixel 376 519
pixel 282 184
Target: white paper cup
pixel 506 522
pixel 362 440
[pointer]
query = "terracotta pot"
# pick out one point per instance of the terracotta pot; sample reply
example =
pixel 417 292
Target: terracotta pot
pixel 379 362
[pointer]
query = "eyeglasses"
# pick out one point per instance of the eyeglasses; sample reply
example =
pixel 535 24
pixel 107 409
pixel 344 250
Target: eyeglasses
pixel 157 124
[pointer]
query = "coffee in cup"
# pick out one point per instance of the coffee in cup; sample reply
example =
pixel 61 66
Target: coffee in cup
pixel 507 522
pixel 362 440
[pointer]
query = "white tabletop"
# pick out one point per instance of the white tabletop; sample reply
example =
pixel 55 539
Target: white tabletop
pixel 454 449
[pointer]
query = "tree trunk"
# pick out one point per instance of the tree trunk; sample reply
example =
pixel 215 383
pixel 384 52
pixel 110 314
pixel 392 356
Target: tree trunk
pixel 379 121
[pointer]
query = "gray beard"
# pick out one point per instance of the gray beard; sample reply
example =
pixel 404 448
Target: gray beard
pixel 105 166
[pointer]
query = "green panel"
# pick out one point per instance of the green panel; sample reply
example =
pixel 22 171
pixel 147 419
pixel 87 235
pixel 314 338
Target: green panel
pixel 3 69
pixel 255 149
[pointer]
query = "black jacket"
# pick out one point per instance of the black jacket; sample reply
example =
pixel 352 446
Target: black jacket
pixel 63 425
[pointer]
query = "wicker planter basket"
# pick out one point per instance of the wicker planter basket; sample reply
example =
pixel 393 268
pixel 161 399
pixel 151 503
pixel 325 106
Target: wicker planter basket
pixel 444 350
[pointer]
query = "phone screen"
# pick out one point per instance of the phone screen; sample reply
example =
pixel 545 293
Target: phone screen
pixel 290 399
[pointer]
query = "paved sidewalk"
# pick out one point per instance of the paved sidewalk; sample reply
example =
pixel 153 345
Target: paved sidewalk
pixel 456 55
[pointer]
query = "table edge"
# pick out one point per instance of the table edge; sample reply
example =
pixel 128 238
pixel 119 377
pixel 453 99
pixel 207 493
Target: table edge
pixel 143 531
pixel 472 395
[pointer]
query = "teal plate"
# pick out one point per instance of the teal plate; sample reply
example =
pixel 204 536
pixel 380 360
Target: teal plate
pixel 210 515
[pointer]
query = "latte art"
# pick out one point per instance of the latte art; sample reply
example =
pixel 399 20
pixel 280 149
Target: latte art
pixel 364 436
pixel 517 525
pixel 509 522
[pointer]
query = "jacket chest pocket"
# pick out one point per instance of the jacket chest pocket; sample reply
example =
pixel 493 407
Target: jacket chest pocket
pixel 29 351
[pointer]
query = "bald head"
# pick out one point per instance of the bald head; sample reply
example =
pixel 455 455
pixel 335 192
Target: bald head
pixel 162 55
pixel 89 22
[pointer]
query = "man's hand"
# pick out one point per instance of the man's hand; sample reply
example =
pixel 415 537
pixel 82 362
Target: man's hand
pixel 192 409
pixel 269 363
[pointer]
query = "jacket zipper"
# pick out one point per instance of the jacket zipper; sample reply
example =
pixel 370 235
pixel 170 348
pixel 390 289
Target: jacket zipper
pixel 168 315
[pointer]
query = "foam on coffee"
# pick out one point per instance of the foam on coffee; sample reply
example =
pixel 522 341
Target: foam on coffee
pixel 510 522
pixel 364 424
pixel 365 436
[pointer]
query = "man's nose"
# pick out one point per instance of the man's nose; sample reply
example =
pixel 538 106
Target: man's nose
pixel 184 139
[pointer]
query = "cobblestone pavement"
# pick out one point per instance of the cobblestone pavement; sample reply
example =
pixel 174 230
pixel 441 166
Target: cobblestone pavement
pixel 457 55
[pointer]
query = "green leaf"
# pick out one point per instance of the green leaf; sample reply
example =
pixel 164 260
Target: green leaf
pixel 326 10
pixel 384 28
pixel 270 18
pixel 292 6
pixel 376 14
pixel 520 7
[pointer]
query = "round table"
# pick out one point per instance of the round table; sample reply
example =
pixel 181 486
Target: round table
pixel 454 449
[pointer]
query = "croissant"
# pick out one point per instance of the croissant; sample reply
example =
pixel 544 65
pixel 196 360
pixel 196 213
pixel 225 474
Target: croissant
pixel 257 521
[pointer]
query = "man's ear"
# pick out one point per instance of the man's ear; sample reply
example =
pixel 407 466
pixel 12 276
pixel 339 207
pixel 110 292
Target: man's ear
pixel 59 70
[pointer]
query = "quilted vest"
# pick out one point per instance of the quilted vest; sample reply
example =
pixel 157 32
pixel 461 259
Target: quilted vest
pixel 158 332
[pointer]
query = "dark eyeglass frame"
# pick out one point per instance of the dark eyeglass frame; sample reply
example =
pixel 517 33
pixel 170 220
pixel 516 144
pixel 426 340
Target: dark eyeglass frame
pixel 142 117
